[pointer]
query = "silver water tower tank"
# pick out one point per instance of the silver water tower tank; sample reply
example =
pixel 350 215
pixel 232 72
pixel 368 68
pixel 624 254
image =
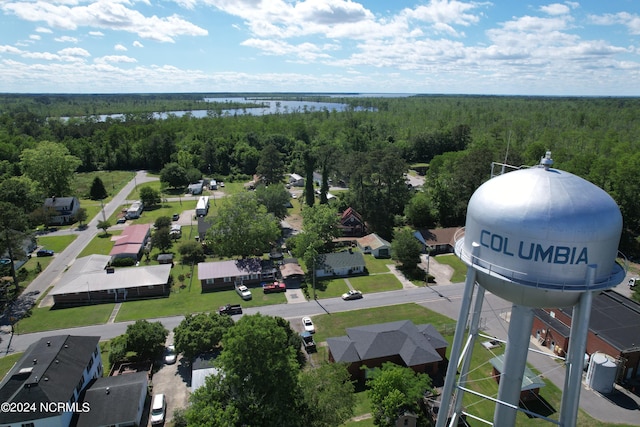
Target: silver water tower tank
pixel 539 229
pixel 537 237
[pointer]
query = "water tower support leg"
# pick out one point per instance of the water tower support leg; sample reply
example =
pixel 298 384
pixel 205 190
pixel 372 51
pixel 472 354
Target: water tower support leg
pixel 515 360
pixel 456 347
pixel 575 357
pixel 473 335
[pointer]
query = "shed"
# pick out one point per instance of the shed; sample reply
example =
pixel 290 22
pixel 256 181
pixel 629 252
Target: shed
pixel 531 383
pixel 165 259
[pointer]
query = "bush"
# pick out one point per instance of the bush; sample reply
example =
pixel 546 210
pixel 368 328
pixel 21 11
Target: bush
pixel 123 262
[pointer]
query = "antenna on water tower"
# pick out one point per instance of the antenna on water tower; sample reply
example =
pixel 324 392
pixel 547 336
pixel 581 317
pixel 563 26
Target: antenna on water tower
pixel 539 238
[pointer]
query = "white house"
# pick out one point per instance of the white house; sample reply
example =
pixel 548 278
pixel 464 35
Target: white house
pixel 135 210
pixel 296 180
pixel 66 209
pixel 374 245
pixel 345 263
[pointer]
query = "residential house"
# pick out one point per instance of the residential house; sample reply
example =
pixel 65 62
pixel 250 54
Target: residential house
pixel 374 245
pixel 135 210
pixel 344 263
pixel 115 401
pixel 65 208
pixel 223 275
pixel 420 347
pixel 196 188
pixel 53 371
pixel 130 243
pixel 615 335
pixel 202 367
pixel 296 180
pixel 531 383
pixel 290 269
pixel 438 240
pixel 90 281
pixel 351 223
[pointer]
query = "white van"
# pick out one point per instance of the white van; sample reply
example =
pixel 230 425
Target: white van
pixel 158 409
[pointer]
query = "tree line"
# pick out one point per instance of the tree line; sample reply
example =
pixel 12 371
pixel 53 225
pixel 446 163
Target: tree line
pixel 455 139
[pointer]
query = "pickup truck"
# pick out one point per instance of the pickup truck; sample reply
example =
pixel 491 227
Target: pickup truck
pixel 230 309
pixel 273 287
pixel 308 342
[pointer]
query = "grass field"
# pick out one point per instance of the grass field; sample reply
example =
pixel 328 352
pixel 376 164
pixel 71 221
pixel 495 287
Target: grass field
pixel 459 268
pixel 47 319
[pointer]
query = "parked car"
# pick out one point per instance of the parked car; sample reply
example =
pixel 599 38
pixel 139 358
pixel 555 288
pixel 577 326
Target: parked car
pixel 175 217
pixel 44 252
pixel 352 294
pixel 121 220
pixel 158 409
pixel 307 323
pixel 308 342
pixel 633 282
pixel 269 287
pixel 244 292
pixel 170 355
pixel 230 309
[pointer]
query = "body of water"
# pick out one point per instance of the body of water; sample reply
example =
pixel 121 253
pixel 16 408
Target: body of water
pixel 255 107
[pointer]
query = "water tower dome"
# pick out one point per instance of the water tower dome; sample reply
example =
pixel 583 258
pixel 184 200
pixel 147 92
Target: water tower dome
pixel 537 231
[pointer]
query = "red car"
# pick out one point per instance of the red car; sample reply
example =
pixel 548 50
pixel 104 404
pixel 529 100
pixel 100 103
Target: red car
pixel 273 287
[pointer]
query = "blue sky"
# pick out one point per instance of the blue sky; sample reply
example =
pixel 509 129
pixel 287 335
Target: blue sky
pixel 501 47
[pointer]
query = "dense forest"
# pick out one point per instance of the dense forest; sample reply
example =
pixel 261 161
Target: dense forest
pixel 368 147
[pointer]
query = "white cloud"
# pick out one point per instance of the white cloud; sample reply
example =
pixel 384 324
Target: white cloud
pixel 555 9
pixel 629 20
pixel 137 44
pixel 35 37
pixel 107 14
pixel 9 49
pixel 66 39
pixel 114 59
pixel 43 30
pixel 73 54
pixel 120 47
pixel 305 52
pixel 96 33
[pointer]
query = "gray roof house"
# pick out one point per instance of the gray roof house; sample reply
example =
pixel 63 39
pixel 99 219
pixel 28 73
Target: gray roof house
pixel 115 401
pixel 420 347
pixel 374 245
pixel 202 367
pixel 66 208
pixel 222 275
pixel 89 282
pixel 55 369
pixel 345 263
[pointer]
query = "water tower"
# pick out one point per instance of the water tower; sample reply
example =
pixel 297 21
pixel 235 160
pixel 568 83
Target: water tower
pixel 538 238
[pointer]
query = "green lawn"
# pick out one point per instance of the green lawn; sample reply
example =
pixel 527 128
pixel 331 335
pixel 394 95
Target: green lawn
pixel 101 244
pixel 328 288
pixel 460 269
pixel 376 283
pixel 335 324
pixel 56 243
pixel 188 298
pixel 46 319
pixel 113 182
pixel 375 265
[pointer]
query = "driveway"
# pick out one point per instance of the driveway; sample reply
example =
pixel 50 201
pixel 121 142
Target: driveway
pixel 173 381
